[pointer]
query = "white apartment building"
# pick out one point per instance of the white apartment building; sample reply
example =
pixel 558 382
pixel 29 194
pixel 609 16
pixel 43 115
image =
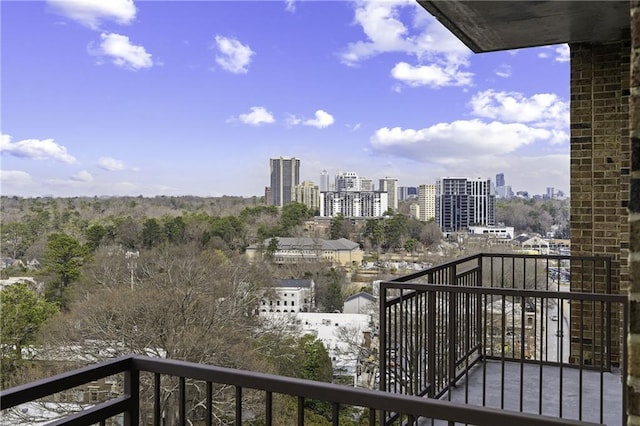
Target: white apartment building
pixel 289 296
pixel 353 204
pixel 427 202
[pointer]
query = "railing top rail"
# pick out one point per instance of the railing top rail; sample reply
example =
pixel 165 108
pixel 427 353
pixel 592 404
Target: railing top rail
pixel 419 274
pixel 60 382
pixel 390 402
pixel 547 256
pixel 502 291
pixel 346 395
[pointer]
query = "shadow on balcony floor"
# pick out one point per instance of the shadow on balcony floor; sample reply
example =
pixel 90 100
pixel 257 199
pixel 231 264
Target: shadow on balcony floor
pixel 610 386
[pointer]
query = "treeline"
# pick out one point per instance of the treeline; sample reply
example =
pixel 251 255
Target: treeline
pixel 535 215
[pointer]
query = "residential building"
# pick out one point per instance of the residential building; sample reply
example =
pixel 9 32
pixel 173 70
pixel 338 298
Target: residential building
pixel 353 204
pixel 427 202
pixel 390 186
pixel 285 175
pixel 360 303
pixel 463 202
pixel 308 194
pixel 341 252
pixel 414 210
pixel 289 296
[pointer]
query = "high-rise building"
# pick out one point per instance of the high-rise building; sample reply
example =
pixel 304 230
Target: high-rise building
pixel 353 203
pixel 366 184
pixel 308 194
pixel 500 180
pixel 285 175
pixel 462 202
pixel 390 185
pixel 407 193
pixel 427 202
pixel 347 181
pixel 324 181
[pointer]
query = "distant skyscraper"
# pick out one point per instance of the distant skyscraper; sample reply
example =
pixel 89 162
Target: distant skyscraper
pixel 285 175
pixel 324 181
pixel 462 202
pixel 347 181
pixel 500 179
pixel 390 185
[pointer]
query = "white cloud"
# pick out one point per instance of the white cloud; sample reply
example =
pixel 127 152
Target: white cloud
pixel 258 116
pixel 35 149
pixel 290 5
pixel 91 13
pixel 504 71
pixel 111 164
pixel 437 51
pixel 233 56
pixel 82 176
pixel 560 52
pixel 323 119
pixel 451 143
pixel 122 52
pixel 542 109
pixel 15 177
pixel 432 75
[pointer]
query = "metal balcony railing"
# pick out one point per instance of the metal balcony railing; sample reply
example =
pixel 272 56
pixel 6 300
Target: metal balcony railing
pixel 137 398
pixel 537 334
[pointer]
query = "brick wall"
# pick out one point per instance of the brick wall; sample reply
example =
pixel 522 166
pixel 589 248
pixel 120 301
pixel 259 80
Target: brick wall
pixel 600 171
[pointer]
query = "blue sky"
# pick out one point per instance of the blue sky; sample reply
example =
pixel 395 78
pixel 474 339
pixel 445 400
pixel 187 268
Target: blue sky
pixel 193 98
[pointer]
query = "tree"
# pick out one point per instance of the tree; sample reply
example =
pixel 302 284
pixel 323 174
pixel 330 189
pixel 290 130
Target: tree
pixel 315 363
pixel 23 312
pixel 94 234
pixel 337 229
pixel 152 234
pixel 293 214
pixel 63 257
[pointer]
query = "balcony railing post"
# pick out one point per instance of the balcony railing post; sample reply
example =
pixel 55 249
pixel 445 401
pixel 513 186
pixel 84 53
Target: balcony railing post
pixel 452 337
pixel 479 328
pixel 431 342
pixel 132 389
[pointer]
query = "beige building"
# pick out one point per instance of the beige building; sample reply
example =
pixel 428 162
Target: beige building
pixel 307 193
pixel 340 252
pixel 427 202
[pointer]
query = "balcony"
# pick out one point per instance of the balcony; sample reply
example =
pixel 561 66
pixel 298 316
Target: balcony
pixel 535 334
pixel 469 342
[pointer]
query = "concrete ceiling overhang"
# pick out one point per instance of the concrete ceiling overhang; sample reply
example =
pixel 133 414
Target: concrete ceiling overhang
pixel 486 26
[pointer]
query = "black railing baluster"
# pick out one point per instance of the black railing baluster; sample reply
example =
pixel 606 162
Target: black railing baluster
pixel 238 401
pixel 182 404
pixel 335 413
pixel 132 388
pixel 268 409
pixel 209 404
pixel 300 411
pixel 156 399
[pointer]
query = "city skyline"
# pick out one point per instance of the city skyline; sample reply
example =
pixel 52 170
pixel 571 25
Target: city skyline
pixel 101 99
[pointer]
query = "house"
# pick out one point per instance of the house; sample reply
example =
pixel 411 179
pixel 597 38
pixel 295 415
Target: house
pixel 341 252
pixel 289 296
pixel 360 303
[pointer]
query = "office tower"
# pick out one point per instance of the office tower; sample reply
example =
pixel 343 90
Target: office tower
pixel 308 194
pixel 285 175
pixel 347 181
pixel 500 180
pixel 427 202
pixel 462 202
pixel 390 185
pixel 551 192
pixel 324 181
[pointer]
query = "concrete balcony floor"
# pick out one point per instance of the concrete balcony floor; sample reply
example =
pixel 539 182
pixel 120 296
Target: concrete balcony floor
pixel 471 389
